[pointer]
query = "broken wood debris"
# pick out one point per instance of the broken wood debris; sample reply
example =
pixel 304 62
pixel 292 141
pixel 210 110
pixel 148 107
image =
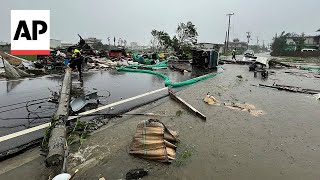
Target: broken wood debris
pixel 191 108
pixel 291 88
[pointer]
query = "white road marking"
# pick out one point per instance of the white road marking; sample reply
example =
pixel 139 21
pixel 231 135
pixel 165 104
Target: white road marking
pixel 43 126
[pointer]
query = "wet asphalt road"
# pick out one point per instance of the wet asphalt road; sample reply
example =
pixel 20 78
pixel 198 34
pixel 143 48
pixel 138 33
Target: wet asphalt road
pixel 121 85
pixel 281 144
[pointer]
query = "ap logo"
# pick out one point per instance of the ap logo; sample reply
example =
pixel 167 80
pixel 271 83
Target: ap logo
pixel 30 32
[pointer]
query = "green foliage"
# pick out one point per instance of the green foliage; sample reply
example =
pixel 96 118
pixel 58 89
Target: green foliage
pixel 187 36
pixel 79 133
pixel 160 40
pixel 47 135
pixel 181 43
pixel 179 113
pixel 175 44
pixel 29 57
pixel 236 40
pixel 184 153
pixel 279 44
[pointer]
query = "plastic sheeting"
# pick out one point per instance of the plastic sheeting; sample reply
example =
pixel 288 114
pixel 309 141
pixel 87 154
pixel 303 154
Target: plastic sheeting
pixel 310 68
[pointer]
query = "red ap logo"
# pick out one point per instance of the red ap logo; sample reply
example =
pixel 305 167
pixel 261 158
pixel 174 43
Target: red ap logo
pixel 30 32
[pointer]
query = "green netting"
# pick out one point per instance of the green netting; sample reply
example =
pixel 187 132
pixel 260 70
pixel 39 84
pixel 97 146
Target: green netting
pixel 141 60
pixel 310 68
pixel 159 65
pixel 155 66
pixel 194 80
pixel 167 80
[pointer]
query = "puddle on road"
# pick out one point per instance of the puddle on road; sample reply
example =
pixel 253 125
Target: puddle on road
pixel 121 85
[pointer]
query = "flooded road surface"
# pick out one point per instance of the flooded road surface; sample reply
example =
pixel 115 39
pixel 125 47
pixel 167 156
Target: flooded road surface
pixel 121 85
pixel 283 143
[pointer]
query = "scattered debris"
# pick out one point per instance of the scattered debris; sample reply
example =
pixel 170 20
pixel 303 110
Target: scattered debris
pixel 210 100
pixel 191 108
pixel 136 174
pixel 80 102
pixel 239 76
pixel 179 113
pixel 258 67
pixel 317 96
pixel 63 176
pixel 291 88
pixel 184 152
pixel 273 63
pixel 154 141
pixel 81 155
pixel 13 72
pixel 302 74
pixel 245 107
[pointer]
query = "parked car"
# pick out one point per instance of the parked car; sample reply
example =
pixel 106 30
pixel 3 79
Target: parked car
pixel 307 50
pixel 249 53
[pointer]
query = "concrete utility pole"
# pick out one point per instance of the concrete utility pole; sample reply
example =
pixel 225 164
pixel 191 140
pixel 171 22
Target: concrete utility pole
pixel 109 42
pixel 55 160
pixel 248 37
pixel 257 41
pixel 228 32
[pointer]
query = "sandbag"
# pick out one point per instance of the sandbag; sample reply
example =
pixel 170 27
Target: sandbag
pixel 154 141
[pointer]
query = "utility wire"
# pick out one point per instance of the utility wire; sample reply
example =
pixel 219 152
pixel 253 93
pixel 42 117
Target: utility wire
pixel 22 102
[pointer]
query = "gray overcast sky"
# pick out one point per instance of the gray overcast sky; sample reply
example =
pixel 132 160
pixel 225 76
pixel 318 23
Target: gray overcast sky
pixel 133 20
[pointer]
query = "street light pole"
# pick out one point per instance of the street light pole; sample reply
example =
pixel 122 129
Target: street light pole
pixel 228 33
pixel 248 37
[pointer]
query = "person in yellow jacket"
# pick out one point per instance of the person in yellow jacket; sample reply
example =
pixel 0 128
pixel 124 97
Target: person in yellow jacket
pixel 76 62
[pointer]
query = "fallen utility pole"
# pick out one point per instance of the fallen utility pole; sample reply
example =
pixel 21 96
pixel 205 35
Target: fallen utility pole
pixel 191 108
pixel 57 140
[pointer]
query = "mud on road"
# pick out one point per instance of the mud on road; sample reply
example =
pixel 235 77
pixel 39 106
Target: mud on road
pixel 281 144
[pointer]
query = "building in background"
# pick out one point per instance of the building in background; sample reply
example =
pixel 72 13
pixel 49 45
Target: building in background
pixel 90 41
pixel 54 43
pixel 3 43
pixel 239 46
pixel 5 46
pixel 66 44
pixel 311 41
pixel 134 46
pixel 217 47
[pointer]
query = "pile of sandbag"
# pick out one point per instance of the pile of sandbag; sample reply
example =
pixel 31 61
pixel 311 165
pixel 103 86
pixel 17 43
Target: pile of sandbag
pixel 154 141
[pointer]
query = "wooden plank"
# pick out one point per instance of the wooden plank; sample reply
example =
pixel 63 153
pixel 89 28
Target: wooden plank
pixel 191 108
